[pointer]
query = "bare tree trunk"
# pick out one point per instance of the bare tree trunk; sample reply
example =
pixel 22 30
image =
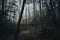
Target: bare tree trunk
pixel 53 14
pixel 20 17
pixel 2 12
pixel 3 30
pixel 59 7
pixel 58 22
pixel 40 1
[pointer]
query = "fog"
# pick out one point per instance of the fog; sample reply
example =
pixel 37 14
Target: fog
pixel 28 11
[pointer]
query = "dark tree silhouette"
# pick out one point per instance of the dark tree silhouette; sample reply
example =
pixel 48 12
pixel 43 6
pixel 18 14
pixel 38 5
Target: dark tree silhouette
pixel 53 16
pixel 20 17
pixel 2 12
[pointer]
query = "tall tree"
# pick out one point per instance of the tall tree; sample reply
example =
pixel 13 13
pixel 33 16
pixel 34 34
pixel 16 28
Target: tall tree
pixel 20 17
pixel 2 12
pixel 52 13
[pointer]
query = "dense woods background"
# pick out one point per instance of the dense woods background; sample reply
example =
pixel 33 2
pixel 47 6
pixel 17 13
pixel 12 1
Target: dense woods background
pixel 34 19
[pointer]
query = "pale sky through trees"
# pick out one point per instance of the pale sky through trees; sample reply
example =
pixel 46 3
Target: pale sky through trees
pixel 26 9
pixel 25 13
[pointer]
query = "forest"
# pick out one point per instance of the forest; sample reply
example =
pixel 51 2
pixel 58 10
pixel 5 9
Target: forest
pixel 29 19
